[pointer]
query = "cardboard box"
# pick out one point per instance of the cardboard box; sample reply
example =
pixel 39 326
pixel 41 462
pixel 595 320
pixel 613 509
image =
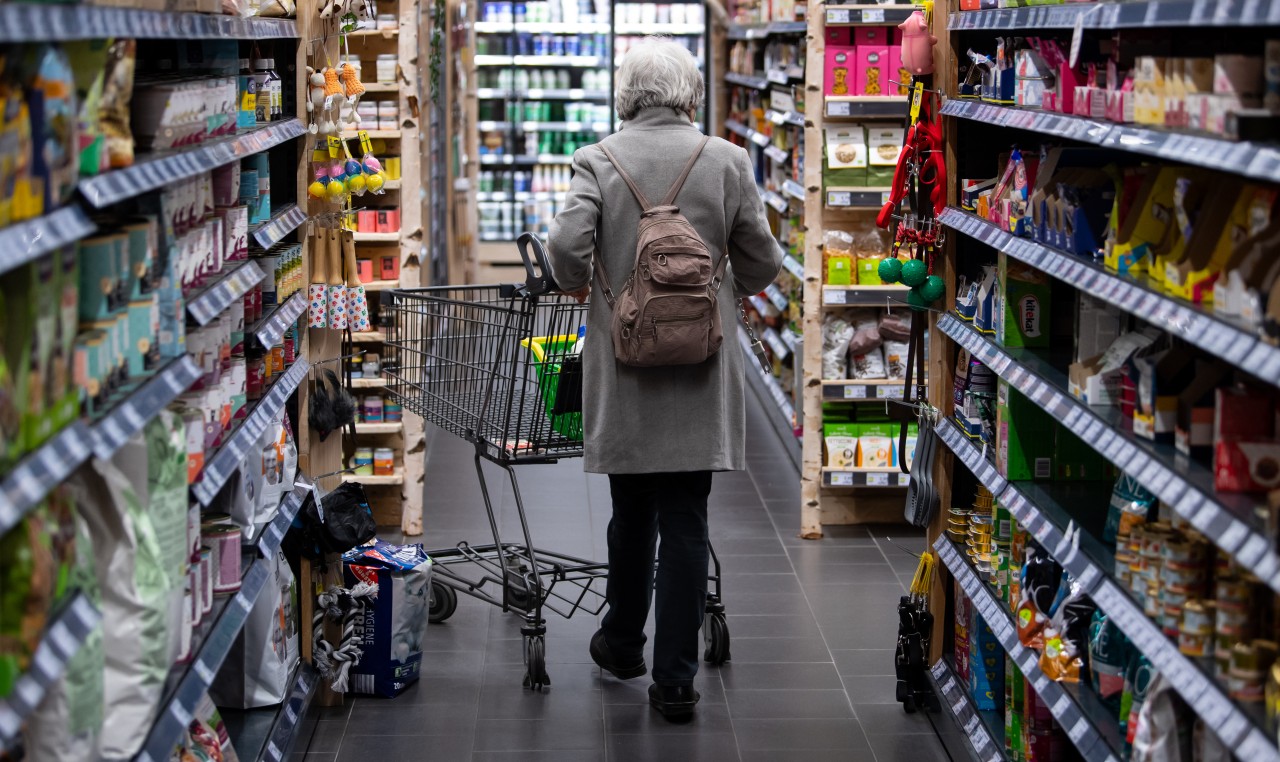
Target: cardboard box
pixel 846 156
pixel 1098 380
pixel 1023 317
pixel 1193 433
pixel 1024 436
pixel 841 70
pixel 1160 377
pixel 1098 324
pixel 873 35
pixel 873 74
pixel 1246 457
pixel 884 144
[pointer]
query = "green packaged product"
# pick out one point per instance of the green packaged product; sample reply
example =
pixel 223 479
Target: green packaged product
pixel 1131 505
pixel 1024 436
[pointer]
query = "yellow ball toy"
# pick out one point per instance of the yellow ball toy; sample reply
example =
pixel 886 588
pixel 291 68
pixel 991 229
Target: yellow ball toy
pixel 336 190
pixel 356 184
pixel 316 189
pixel 375 182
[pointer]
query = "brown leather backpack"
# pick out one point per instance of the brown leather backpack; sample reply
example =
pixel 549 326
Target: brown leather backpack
pixel 667 312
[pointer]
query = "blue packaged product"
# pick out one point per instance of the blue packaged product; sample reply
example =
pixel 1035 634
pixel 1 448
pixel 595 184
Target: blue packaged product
pixel 395 622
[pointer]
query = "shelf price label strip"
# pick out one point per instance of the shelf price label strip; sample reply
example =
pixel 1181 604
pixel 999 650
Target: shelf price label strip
pixel 39 23
pixel 1202 509
pixel 755 83
pixel 955 698
pixel 217 644
pixel 220 467
pixel 218 297
pixel 775 389
pixel 1130 15
pixel 294 708
pixel 62 638
pixel 152 173
pixel 1064 708
pixel 143 404
pixel 25 241
pixel 40 471
pixel 282 224
pixel 1237 157
pixel 793 189
pixel 1215 336
pixel 272 328
pixel 793 266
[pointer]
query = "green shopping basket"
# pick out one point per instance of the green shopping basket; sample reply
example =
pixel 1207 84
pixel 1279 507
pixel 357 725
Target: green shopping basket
pixel 559 381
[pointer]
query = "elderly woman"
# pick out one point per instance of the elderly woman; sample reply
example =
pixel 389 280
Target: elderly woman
pixel 660 432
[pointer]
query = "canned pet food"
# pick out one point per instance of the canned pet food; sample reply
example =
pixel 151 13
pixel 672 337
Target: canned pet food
pixel 362 461
pixel 392 412
pixel 206 580
pixel 384 462
pixel 224 558
pixel 372 409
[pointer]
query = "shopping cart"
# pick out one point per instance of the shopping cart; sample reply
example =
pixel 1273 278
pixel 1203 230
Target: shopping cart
pixel 496 366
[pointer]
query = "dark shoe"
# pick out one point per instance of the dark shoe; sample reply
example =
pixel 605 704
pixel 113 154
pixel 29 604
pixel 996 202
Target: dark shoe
pixel 603 656
pixel 675 702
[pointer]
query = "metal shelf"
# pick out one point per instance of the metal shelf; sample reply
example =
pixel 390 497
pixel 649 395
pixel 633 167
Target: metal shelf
pixel 1218 335
pixel 36 22
pixel 221 464
pixel 40 471
pixel 233 285
pixel 63 636
pixel 793 189
pixel 508 159
pixel 380 427
pixel 755 83
pixel 777 154
pixel 851 390
pixel 1260 161
pixel 191 681
pixel 678 30
pixel 520 196
pixel 1086 561
pixel 863 296
pixel 760 31
pixel 370 480
pixel 281 224
pixel 143 403
pixel 538 27
pixel 271 328
pixel 1152 14
pixel 860 106
pixel 775 390
pixel 537 93
pixel 1065 706
pixel 376 237
pixel 1229 520
pixel 956 704
pixel 152 172
pixel 28 240
pixel 793 266
pixel 545 126
pixel 784 117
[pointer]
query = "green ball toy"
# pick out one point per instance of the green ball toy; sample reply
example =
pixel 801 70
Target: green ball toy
pixel 932 289
pixel 890 270
pixel 914 272
pixel 915 301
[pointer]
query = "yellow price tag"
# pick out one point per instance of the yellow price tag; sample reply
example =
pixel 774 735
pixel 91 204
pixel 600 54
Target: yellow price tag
pixel 365 144
pixel 917 94
pixel 928 12
pixel 334 146
pixel 319 154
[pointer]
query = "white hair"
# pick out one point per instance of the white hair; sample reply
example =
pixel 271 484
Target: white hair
pixel 658 72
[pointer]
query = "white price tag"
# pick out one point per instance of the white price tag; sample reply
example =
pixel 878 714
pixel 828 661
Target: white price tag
pixel 833 296
pixel 972 724
pixel 837 108
pixel 878 480
pixel 837 15
pixel 889 392
pixel 873 15
pixel 855 392
pixel 839 198
pixel 904 479
pixel 841 479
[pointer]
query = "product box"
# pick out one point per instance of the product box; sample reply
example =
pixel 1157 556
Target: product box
pixel 1246 455
pixel 963 617
pixel 901 84
pixel 841 442
pixel 873 35
pixel 1193 433
pixel 1098 380
pixel 986 665
pixel 144 327
pixel 884 144
pixel 1098 325
pixel 1023 318
pixel 1024 436
pixel 846 160
pixel 1149 90
pixel 389 267
pixel 873 73
pixel 841 70
pixel 1159 378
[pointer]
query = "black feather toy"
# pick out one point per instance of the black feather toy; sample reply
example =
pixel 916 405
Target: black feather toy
pixel 332 407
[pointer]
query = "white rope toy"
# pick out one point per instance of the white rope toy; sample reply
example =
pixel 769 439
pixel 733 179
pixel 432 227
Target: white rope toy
pixel 335 664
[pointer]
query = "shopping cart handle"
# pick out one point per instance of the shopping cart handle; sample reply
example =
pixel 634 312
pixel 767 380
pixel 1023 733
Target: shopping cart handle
pixel 536 284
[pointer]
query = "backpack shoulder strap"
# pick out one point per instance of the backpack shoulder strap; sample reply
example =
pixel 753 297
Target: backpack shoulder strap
pixel 675 189
pixel 644 202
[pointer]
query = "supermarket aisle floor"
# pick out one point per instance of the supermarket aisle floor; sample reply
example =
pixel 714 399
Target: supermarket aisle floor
pixel 812 627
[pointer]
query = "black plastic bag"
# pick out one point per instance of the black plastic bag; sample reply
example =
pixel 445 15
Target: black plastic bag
pixel 347 522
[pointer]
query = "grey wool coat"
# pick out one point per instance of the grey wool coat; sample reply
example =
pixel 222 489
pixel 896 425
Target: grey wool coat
pixel 675 418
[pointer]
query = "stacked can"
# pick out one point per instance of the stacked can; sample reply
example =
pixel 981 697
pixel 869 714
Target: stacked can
pixel 981 525
pixel 1184 576
pixel 222 537
pixel 1250 663
pixel 963 616
pixel 1233 623
pixel 958 524
pixel 1145 546
pixel 1045 740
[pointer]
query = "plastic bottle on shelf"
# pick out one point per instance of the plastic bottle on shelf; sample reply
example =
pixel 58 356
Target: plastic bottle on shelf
pixel 522 80
pixel 562 79
pixel 535 79
pixel 520 11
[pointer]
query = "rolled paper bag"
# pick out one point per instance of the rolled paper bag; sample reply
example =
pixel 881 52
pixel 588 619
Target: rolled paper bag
pixel 337 288
pixel 319 289
pixel 357 299
pixel 319 317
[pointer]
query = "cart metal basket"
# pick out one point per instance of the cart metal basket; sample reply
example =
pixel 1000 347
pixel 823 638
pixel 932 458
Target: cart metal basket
pixel 496 365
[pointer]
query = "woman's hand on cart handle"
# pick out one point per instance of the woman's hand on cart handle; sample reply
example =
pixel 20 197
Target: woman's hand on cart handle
pixel 581 294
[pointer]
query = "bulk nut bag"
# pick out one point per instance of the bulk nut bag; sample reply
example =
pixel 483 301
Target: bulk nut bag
pixel 866 331
pixel 135 507
pixel 837 332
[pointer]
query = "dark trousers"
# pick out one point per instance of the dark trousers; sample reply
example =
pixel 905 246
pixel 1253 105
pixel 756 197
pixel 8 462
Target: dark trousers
pixel 672 506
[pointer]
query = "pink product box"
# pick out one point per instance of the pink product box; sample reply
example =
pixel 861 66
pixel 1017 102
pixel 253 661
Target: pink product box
pixel 1090 102
pixel 873 35
pixel 897 73
pixel 1120 106
pixel 842 71
pixel 873 72
pixel 367 221
pixel 388 220
pixel 839 36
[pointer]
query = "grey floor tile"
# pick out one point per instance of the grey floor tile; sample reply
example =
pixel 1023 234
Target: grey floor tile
pixel 559 755
pixel 786 583
pixel 441 690
pixel 864 661
pixel 784 703
pixel 891 719
pixel 453 747
pixel 451 663
pixel 698 747
pixel 778 650
pixel 314 756
pixel 631 719
pixel 575 691
pixel 819 553
pixel 850 575
pixel 906 748
pixel 384 717
pixel 872 631
pixel 871 689
pixel 738 601
pixel 327 736
pixel 766 564
pixel 744 675
pixel 540 735
pixel 793 734
pixel 749 547
pixel 636 692
pixel 772 626
pixel 805 755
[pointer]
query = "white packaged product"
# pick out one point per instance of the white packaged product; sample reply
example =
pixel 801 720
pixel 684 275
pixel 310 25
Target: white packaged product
pixel 836 334
pixel 842 451
pixel 895 359
pixel 257 670
pixel 867 366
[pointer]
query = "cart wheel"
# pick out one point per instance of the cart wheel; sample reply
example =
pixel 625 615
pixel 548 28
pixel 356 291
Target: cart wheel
pixel 444 601
pixel 909 705
pixel 715 634
pixel 535 663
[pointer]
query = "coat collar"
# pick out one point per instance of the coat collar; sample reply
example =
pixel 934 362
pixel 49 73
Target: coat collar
pixel 658 118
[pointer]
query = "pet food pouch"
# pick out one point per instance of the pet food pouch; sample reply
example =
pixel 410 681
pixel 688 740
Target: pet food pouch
pixel 257 670
pixel 395 623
